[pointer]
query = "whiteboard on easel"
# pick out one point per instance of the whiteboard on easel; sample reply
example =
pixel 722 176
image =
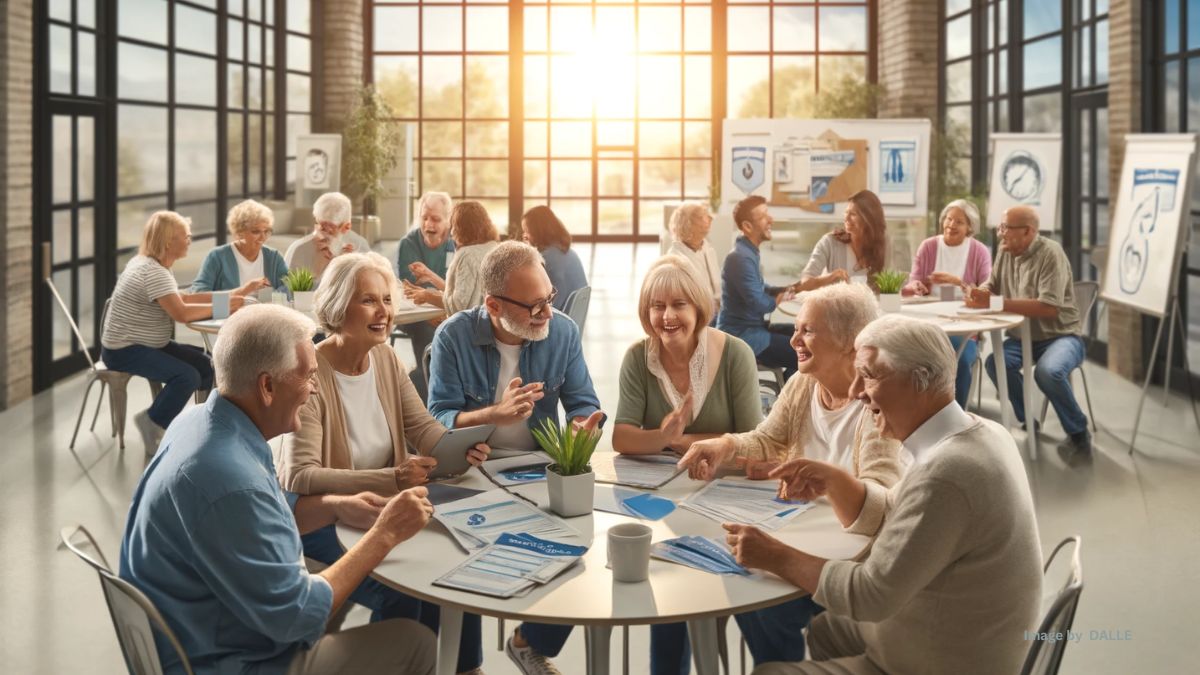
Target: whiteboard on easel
pixel 1147 234
pixel 1026 171
pixel 807 169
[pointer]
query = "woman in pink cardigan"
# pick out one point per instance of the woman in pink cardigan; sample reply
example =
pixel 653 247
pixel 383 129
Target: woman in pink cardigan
pixel 953 258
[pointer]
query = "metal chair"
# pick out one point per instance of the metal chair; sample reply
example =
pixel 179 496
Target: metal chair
pixel 115 380
pixel 134 616
pixel 1086 293
pixel 576 306
pixel 1044 656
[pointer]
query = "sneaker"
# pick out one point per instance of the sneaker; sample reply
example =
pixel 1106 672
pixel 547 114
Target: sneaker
pixel 151 432
pixel 529 661
pixel 1076 449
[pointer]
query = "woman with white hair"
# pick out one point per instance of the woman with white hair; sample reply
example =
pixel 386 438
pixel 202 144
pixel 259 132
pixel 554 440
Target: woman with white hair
pixel 815 417
pixel 139 325
pixel 331 219
pixel 356 428
pixel 953 258
pixel 246 263
pixel 690 224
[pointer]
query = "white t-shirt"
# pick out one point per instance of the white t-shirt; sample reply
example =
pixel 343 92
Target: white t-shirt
pixel 248 270
pixel 832 438
pixel 952 259
pixel 513 436
pixel 366 426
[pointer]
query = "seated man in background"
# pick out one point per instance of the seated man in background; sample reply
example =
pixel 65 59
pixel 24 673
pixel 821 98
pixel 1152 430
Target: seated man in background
pixel 422 259
pixel 953 579
pixel 331 218
pixel 214 541
pixel 510 362
pixel 1034 277
pixel 745 296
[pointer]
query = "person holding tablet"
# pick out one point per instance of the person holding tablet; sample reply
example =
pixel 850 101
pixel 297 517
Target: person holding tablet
pixel 355 429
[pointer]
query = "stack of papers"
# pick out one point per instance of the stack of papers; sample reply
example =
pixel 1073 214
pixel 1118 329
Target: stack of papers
pixel 512 566
pixel 477 521
pixel 702 553
pixel 644 471
pixel 529 467
pixel 627 502
pixel 750 503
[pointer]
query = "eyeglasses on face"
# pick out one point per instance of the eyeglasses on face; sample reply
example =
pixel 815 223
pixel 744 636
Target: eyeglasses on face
pixel 535 308
pixel 1005 227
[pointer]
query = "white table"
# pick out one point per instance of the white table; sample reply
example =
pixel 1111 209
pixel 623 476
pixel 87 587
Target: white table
pixel 405 314
pixel 587 596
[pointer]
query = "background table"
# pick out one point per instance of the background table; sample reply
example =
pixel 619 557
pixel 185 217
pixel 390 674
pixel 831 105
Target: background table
pixel 586 594
pixel 405 314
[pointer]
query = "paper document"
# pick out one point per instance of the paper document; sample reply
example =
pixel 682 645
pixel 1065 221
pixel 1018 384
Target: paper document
pixel 529 467
pixel 702 553
pixel 626 502
pixel 512 565
pixel 477 521
pixel 645 471
pixel 747 502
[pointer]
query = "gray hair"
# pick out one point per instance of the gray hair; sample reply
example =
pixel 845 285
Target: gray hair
pixel 685 218
pixel 848 309
pixel 968 209
pixel 258 339
pixel 246 214
pixel 434 198
pixel 913 347
pixel 332 207
pixel 339 281
pixel 503 260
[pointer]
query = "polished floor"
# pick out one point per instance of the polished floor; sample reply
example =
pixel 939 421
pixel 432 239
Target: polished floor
pixel 1136 514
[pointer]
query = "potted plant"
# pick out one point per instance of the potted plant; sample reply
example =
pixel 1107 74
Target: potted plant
pixel 889 283
pixel 569 479
pixel 300 282
pixel 372 141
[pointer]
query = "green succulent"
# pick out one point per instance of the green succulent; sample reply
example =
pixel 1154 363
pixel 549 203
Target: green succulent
pixel 570 448
pixel 890 281
pixel 298 279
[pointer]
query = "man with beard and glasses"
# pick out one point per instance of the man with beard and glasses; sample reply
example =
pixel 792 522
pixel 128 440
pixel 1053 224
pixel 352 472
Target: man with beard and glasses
pixel 510 362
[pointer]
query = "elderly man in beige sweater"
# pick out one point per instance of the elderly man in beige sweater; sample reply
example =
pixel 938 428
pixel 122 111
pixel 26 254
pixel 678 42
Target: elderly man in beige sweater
pixel 953 578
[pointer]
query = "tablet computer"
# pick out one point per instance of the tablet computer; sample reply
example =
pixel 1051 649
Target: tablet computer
pixel 451 451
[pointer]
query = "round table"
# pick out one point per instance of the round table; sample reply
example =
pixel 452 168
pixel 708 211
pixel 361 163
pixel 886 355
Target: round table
pixel 586 594
pixel 405 314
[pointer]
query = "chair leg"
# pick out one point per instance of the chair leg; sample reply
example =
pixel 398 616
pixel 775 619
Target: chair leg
pixel 500 635
pixel 118 398
pixel 1045 407
pixel 82 407
pixel 723 643
pixel 742 654
pixel 1088 395
pixel 99 402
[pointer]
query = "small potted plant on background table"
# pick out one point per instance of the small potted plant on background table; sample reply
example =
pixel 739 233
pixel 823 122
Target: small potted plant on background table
pixel 889 283
pixel 569 480
pixel 300 282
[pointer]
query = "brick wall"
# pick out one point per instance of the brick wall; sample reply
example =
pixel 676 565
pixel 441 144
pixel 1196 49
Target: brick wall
pixel 16 201
pixel 907 58
pixel 340 68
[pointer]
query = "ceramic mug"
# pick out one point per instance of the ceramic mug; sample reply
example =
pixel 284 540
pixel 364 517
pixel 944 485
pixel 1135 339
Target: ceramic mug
pixel 629 552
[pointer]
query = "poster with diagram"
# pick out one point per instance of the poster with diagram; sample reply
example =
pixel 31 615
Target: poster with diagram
pixel 898 171
pixel 1026 172
pixel 1147 236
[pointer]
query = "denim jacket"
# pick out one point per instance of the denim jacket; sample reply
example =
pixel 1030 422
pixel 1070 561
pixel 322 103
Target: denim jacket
pixel 466 366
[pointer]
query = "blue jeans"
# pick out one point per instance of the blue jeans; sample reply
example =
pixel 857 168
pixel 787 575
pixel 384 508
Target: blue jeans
pixel 181 368
pixel 779 353
pixel 966 359
pixel 775 633
pixel 386 603
pixel 670 652
pixel 1054 360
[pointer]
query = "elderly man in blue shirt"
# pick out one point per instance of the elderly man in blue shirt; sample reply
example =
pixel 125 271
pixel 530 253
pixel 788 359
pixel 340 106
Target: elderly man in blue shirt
pixel 511 362
pixel 215 542
pixel 745 296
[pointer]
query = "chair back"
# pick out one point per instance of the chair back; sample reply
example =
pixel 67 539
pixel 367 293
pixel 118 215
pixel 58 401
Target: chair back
pixel 62 305
pixel 134 616
pixel 1044 656
pixel 576 305
pixel 426 359
pixel 1086 293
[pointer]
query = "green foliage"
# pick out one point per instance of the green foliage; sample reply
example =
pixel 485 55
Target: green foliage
pixel 890 281
pixel 950 178
pixel 298 279
pixel 570 448
pixel 845 93
pixel 847 98
pixel 372 145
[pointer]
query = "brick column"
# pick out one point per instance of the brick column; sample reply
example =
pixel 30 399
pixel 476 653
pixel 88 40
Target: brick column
pixel 907 56
pixel 339 64
pixel 16 202
pixel 1124 117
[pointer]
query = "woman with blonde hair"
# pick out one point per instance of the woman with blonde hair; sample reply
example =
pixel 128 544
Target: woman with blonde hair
pixel 474 237
pixel 689 227
pixel 356 428
pixel 139 325
pixel 858 248
pixel 246 263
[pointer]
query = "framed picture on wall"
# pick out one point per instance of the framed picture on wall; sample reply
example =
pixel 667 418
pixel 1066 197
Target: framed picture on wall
pixel 318 162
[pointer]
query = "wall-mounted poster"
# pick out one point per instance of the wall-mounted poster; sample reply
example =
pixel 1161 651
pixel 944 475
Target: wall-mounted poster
pixel 898 171
pixel 1025 172
pixel 1147 223
pixel 318 166
pixel 749 168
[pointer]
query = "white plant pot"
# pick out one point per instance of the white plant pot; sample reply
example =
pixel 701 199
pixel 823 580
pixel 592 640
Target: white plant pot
pixel 570 495
pixel 889 302
pixel 302 301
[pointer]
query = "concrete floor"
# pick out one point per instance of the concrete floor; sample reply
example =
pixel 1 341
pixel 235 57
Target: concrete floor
pixel 1136 514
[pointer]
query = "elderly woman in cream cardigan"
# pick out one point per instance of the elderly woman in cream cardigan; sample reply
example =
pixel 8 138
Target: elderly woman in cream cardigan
pixel 815 417
pixel 356 428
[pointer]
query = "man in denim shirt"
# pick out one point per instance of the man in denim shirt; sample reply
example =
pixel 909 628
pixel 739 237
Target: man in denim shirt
pixel 745 295
pixel 214 542
pixel 509 362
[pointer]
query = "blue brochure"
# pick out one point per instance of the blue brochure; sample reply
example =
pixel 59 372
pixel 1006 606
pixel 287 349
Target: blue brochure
pixel 702 553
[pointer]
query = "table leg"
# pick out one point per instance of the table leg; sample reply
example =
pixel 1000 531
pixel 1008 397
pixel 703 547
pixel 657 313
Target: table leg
pixel 597 649
pixel 1001 376
pixel 449 634
pixel 1027 367
pixel 702 633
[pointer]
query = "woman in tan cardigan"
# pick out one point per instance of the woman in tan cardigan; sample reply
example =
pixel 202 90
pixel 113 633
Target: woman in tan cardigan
pixel 356 428
pixel 815 417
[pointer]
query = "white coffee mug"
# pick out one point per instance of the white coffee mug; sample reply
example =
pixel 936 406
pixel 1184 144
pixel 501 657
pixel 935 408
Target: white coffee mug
pixel 996 303
pixel 629 552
